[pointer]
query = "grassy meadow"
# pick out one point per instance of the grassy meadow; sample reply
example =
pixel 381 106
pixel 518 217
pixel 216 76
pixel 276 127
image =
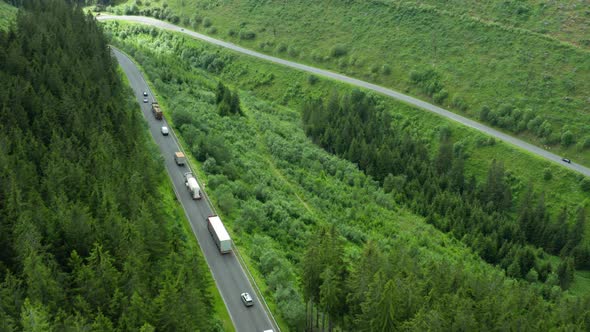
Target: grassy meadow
pixel 529 84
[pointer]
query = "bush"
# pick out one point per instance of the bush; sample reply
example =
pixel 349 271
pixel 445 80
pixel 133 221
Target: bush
pixel 247 35
pixel 585 184
pixel 281 48
pixel 567 138
pixel 459 103
pixel 207 22
pixel 385 69
pixel 197 20
pixel 212 30
pixel 293 51
pixel 547 174
pixel 312 79
pixel 440 96
pixel 231 32
pixel 338 51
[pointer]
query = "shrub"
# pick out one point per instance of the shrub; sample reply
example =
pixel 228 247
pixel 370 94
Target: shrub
pixel 247 35
pixel 164 5
pixel 440 96
pixel 312 79
pixel 459 103
pixel 197 20
pixel 212 30
pixel 293 51
pixel 342 63
pixel 374 69
pixel 547 174
pixel 207 22
pixel 281 48
pixel 338 51
pixel 585 184
pixel 385 69
pixel 231 32
pixel 567 138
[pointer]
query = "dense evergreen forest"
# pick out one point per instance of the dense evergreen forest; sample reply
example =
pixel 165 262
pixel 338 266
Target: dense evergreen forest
pixel 504 231
pixel 84 241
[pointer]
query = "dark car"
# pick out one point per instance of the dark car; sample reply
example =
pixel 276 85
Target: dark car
pixel 566 160
pixel 247 299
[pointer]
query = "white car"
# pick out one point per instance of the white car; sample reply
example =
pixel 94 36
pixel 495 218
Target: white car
pixel 247 299
pixel 165 131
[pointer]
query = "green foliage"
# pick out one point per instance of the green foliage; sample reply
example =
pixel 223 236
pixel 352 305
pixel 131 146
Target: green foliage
pixel 338 51
pixel 547 174
pixel 286 189
pixel 354 127
pixel 490 53
pixel 207 22
pixel 247 34
pixel 75 155
pixel 228 102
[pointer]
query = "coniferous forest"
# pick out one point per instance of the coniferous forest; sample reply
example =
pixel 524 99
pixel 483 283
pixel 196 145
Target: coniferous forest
pixel 502 230
pixel 84 242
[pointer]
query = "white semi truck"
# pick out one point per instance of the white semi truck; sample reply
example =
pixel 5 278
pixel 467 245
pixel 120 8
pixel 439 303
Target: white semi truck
pixel 192 185
pixel 219 234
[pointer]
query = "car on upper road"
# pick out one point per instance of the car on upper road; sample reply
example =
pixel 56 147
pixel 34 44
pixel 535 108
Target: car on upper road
pixel 566 160
pixel 145 94
pixel 165 131
pixel 145 100
pixel 247 299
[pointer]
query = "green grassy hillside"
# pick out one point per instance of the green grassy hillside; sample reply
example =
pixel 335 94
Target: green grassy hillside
pixel 522 82
pixel 566 20
pixel 275 188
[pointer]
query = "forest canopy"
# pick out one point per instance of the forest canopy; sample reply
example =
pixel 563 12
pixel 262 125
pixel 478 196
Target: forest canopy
pixel 84 242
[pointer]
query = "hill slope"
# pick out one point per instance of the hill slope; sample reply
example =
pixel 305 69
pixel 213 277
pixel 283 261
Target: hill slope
pixel 85 240
pixel 523 82
pixel 299 211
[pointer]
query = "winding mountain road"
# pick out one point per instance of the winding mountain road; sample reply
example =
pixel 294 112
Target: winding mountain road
pixel 353 81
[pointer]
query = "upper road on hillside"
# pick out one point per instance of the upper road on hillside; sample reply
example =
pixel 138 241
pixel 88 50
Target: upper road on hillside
pixel 339 77
pixel 227 272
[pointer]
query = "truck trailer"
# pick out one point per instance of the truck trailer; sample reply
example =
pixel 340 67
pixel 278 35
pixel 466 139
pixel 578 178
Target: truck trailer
pixel 219 234
pixel 157 111
pixel 179 158
pixel 192 185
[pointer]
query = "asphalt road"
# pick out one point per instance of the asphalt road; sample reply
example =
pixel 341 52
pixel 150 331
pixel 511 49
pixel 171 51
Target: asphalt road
pixel 228 274
pixel 399 96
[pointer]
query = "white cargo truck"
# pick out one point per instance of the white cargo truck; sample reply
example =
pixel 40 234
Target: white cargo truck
pixel 219 234
pixel 192 185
